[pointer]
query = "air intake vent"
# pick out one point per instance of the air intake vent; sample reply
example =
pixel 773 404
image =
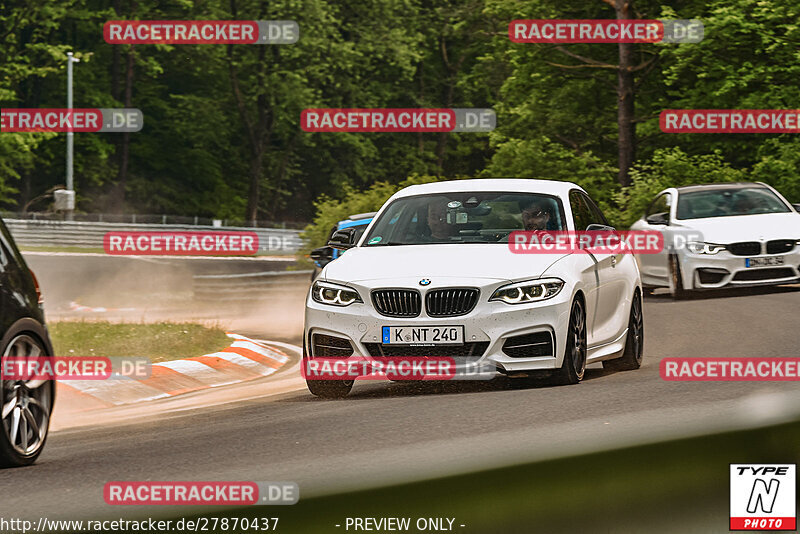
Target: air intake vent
pixel 451 302
pixel 529 345
pixel 397 302
pixel 757 275
pixel 330 346
pixel 476 348
pixel 711 276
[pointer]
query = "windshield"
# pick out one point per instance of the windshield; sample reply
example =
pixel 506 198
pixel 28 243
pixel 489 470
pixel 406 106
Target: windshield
pixel 729 202
pixel 464 218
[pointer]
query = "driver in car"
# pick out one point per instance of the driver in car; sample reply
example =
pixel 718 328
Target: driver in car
pixel 440 229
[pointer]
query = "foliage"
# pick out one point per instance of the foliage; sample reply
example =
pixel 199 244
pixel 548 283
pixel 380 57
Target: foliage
pixel 332 210
pixel 668 168
pixel 219 117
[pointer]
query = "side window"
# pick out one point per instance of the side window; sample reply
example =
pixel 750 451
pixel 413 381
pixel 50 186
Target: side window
pixel 358 232
pixel 580 211
pixel 660 206
pixel 597 215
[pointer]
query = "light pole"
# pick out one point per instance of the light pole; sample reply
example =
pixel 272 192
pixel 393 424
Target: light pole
pixel 70 184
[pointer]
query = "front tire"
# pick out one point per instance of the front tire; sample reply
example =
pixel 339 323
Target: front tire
pixel 25 408
pixel 574 365
pixel 330 389
pixel 634 344
pixel 676 287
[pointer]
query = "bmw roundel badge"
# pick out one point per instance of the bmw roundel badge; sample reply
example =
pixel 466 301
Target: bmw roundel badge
pixel 425 282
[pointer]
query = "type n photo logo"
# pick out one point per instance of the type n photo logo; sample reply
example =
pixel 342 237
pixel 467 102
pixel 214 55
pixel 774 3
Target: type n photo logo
pixel 763 497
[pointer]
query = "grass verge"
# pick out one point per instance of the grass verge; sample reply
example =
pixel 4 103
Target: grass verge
pixel 158 341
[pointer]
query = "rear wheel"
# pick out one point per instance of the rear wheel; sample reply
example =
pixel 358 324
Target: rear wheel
pixel 634 343
pixel 574 365
pixel 25 407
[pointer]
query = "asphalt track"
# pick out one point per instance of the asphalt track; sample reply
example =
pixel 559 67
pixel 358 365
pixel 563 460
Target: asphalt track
pixel 393 432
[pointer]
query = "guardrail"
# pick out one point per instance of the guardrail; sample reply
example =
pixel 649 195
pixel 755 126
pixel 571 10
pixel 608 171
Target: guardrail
pixel 134 218
pixel 248 286
pixel 47 233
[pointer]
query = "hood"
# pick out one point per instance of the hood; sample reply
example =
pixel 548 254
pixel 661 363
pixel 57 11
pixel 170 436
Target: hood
pixel 490 261
pixel 764 227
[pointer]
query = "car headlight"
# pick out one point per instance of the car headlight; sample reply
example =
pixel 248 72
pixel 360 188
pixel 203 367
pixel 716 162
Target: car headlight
pixel 529 291
pixel 704 248
pixel 334 294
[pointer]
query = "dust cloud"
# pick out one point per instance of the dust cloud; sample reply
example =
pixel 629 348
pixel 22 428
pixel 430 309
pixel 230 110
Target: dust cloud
pixel 141 289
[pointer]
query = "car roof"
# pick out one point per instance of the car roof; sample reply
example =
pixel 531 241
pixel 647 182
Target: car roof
pixel 522 185
pixel 359 216
pixel 347 223
pixel 727 185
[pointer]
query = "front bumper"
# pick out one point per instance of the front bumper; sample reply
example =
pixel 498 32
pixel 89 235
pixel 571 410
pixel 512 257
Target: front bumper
pixel 488 326
pixel 703 271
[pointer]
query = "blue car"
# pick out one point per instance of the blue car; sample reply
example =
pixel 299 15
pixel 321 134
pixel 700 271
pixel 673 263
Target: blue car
pixel 322 256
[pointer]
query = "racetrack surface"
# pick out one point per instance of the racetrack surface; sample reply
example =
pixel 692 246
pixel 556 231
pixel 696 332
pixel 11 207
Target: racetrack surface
pixel 393 432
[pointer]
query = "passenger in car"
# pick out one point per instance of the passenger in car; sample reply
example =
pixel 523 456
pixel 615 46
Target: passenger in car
pixel 535 215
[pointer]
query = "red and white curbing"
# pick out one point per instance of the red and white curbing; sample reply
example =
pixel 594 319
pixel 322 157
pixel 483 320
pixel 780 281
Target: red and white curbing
pixel 246 359
pixel 74 306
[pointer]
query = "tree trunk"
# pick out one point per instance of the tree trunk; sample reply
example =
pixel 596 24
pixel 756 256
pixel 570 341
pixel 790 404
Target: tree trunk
pixel 258 129
pixel 625 100
pixel 116 59
pixel 256 160
pixel 118 194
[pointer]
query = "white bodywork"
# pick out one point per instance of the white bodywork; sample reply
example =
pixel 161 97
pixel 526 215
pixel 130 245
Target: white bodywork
pixel 606 282
pixel 724 268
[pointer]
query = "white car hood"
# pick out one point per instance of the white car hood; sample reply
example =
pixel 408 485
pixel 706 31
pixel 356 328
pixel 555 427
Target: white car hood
pixel 738 228
pixel 491 261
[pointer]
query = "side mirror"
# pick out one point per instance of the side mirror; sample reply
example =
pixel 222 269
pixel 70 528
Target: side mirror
pixel 796 207
pixel 343 239
pixel 600 228
pixel 658 218
pixel 322 254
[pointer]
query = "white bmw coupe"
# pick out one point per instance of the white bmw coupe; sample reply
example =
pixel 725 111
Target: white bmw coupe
pixel 721 235
pixel 434 275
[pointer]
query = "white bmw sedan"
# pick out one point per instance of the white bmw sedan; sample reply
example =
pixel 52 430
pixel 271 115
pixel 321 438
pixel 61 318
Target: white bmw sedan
pixel 721 235
pixel 435 265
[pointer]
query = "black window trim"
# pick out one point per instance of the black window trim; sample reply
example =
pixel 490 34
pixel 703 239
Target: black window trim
pixel 589 204
pixel 662 194
pixel 385 208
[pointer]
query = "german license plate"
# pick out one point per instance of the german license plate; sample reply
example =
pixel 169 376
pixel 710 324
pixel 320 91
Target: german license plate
pixel 763 262
pixel 423 335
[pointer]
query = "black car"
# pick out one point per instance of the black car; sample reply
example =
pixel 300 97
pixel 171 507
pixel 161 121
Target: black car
pixel 26 404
